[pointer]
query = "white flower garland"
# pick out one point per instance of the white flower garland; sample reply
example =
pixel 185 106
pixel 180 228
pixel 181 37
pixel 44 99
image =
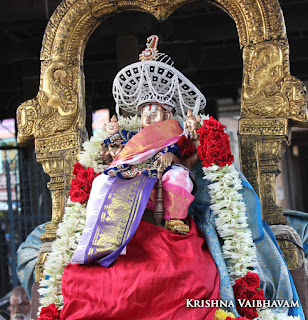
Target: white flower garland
pixel 231 221
pixel 270 315
pixel 68 236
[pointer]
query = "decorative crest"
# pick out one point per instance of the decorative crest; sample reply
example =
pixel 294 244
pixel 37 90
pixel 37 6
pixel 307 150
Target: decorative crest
pixel 151 52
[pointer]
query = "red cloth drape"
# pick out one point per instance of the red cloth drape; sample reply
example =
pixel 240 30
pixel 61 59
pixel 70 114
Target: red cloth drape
pixel 152 281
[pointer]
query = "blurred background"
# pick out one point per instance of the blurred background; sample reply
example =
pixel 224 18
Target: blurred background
pixel 211 60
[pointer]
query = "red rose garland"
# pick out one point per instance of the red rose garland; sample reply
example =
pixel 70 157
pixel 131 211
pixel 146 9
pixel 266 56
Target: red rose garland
pixel 214 144
pixel 248 288
pixel 82 184
pixel 50 313
pixel 186 146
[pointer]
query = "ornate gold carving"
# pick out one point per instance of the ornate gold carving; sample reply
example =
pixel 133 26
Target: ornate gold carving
pixel 268 88
pixel 39 267
pixel 55 109
pixel 26 117
pixel 263 76
pixel 296 93
pixel 61 29
pixel 58 164
pixel 249 159
pixel 263 142
pixel 59 142
pixel 265 127
pixel 290 253
pixel 256 21
pixel 270 98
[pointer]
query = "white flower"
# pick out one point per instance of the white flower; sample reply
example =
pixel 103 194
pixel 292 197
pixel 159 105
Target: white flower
pixel 231 219
pixel 267 314
pixel 68 235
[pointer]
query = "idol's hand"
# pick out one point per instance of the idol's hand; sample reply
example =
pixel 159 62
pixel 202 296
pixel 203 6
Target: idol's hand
pixel 115 148
pixel 177 226
pixel 191 124
pixel 105 154
pixel 164 161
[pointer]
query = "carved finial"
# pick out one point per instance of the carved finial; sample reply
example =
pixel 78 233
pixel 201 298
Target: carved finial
pixel 190 116
pixel 114 118
pixel 151 52
pixel 189 113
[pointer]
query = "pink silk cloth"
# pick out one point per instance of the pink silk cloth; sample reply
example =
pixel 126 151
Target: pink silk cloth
pixel 149 141
pixel 152 281
pixel 177 188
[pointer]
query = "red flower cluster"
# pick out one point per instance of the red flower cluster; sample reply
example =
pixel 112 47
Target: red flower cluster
pixel 247 289
pixel 82 184
pixel 50 313
pixel 186 146
pixel 238 318
pixel 214 144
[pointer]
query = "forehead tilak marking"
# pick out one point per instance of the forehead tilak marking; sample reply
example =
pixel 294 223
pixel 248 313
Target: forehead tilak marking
pixel 149 108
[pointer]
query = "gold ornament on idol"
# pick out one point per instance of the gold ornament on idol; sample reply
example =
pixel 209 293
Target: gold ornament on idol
pixel 151 52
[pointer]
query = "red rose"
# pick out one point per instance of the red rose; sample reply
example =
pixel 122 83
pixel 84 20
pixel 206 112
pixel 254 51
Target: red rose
pixel 50 313
pixel 86 175
pixel 213 124
pixel 214 148
pixel 87 187
pixel 77 167
pixel 238 318
pixel 239 289
pixel 252 280
pixel 78 195
pixel 76 184
pixel 82 185
pixel 258 294
pixel 249 294
pixel 186 146
pixel 250 313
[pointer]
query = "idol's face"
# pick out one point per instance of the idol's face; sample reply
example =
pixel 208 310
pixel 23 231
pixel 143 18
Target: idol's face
pixel 152 113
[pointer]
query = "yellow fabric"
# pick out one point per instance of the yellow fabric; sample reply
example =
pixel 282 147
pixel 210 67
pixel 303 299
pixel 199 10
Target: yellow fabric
pixel 222 315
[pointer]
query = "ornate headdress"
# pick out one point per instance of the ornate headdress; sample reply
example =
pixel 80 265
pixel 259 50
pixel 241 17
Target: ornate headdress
pixel 154 79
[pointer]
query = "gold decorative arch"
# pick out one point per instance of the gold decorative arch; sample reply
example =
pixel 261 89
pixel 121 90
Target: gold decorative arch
pixel 272 100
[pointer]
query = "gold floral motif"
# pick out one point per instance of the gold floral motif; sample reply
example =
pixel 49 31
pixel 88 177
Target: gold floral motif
pixel 120 210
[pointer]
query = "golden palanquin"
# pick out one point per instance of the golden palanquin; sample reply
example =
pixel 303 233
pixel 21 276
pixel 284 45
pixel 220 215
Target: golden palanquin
pixel 272 99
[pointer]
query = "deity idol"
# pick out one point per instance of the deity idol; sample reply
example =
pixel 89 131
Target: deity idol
pixel 172 228
pixel 176 182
